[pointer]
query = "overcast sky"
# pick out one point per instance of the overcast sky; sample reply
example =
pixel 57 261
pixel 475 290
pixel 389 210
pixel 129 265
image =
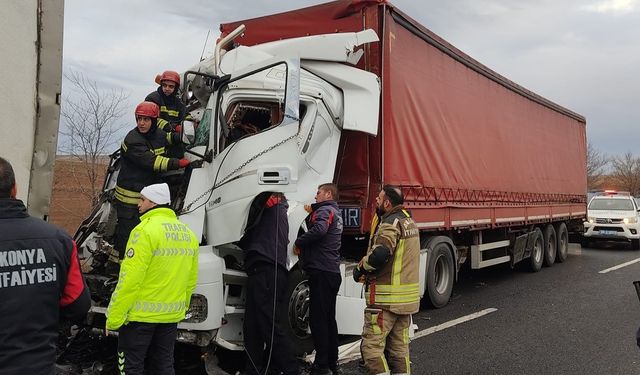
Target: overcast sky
pixel 581 54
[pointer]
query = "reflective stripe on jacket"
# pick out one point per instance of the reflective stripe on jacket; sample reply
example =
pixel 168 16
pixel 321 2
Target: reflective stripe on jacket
pixel 395 287
pixel 158 274
pixel 143 160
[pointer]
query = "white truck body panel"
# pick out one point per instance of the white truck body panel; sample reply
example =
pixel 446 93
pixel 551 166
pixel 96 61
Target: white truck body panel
pixel 31 32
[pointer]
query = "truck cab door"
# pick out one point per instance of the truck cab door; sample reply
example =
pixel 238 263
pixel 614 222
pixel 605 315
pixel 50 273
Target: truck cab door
pixel 255 123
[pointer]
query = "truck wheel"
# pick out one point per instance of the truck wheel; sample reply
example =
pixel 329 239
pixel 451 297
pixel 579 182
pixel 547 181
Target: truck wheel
pixel 440 275
pixel 297 323
pixel 562 236
pixel 550 244
pixel 537 251
pixel 635 244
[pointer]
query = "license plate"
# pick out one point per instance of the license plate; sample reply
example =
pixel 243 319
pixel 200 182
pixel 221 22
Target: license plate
pixel 608 232
pixel 351 217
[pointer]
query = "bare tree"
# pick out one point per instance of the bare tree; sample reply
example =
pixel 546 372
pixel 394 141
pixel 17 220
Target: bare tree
pixel 626 171
pixel 92 117
pixel 596 167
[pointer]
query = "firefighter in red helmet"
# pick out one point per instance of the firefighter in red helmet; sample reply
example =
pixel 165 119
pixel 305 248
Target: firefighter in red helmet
pixel 142 162
pixel 172 110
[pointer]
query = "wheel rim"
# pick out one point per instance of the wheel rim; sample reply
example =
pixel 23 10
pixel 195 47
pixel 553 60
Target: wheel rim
pixel 552 247
pixel 441 274
pixel 563 244
pixel 299 309
pixel 537 251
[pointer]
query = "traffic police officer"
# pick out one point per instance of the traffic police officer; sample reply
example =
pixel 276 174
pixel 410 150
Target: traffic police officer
pixel 391 272
pixel 154 288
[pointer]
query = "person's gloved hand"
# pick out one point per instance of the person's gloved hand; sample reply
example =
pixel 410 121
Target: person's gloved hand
pixel 183 163
pixel 178 128
pixel 358 274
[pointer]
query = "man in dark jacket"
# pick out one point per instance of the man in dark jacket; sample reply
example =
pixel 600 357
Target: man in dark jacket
pixel 319 249
pixel 40 282
pixel 265 245
pixel 142 163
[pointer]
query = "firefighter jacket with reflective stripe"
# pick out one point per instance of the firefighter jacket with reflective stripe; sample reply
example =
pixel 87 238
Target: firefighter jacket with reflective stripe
pixel 142 162
pixel 395 286
pixel 40 283
pixel 172 111
pixel 158 274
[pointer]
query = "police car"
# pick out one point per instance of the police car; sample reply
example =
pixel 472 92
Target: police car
pixel 612 216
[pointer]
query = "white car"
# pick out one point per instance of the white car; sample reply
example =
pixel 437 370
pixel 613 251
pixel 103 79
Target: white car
pixel 612 216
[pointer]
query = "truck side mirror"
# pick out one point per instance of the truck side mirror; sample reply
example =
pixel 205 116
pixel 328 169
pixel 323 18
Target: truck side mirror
pixel 188 132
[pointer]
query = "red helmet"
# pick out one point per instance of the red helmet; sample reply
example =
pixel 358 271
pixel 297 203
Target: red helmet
pixel 148 109
pixel 170 75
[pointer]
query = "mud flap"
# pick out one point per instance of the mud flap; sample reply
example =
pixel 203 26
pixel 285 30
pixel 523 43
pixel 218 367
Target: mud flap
pixel 520 244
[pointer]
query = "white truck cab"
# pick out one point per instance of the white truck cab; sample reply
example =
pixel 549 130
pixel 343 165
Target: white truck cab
pixel 293 93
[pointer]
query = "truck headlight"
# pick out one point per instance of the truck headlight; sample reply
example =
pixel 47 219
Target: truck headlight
pixel 591 220
pixel 630 220
pixel 198 309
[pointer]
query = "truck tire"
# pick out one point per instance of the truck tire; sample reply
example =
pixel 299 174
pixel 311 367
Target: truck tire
pixel 562 235
pixel 635 244
pixel 550 245
pixel 440 275
pixel 296 325
pixel 537 251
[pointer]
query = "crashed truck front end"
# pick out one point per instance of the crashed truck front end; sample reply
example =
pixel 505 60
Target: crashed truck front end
pixel 297 108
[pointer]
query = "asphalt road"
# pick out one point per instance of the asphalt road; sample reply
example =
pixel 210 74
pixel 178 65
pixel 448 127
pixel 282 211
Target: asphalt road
pixel 566 319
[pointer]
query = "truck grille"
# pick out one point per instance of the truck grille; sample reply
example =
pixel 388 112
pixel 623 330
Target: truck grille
pixel 611 229
pixel 608 221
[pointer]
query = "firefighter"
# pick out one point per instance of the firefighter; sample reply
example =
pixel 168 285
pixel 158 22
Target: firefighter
pixel 158 275
pixel 319 250
pixel 391 272
pixel 172 110
pixel 142 162
pixel 40 283
pixel 265 245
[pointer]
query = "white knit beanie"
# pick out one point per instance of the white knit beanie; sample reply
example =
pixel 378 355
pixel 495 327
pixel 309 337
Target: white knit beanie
pixel 157 193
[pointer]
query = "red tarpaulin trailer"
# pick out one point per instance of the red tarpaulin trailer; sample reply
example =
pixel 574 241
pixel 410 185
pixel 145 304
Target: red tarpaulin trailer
pixel 469 147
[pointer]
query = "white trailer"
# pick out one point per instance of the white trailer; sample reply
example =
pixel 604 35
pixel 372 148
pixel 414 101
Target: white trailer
pixel 31 34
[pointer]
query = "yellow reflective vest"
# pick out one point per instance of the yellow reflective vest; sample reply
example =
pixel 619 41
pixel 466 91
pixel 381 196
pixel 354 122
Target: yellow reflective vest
pixel 158 274
pixel 395 286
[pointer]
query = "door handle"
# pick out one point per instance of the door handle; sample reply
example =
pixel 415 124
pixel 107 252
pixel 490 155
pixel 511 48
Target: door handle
pixel 274 177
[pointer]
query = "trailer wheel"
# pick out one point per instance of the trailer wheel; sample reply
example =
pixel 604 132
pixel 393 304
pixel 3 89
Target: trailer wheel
pixel 297 323
pixel 537 251
pixel 550 245
pixel 562 236
pixel 440 275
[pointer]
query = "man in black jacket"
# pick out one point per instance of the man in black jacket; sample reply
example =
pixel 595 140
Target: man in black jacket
pixel 265 246
pixel 143 161
pixel 40 282
pixel 319 250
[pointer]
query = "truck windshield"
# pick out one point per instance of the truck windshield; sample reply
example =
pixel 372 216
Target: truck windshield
pixel 611 204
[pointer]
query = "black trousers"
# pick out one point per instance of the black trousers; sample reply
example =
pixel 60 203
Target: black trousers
pixel 261 326
pixel 128 218
pixel 136 340
pixel 323 288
